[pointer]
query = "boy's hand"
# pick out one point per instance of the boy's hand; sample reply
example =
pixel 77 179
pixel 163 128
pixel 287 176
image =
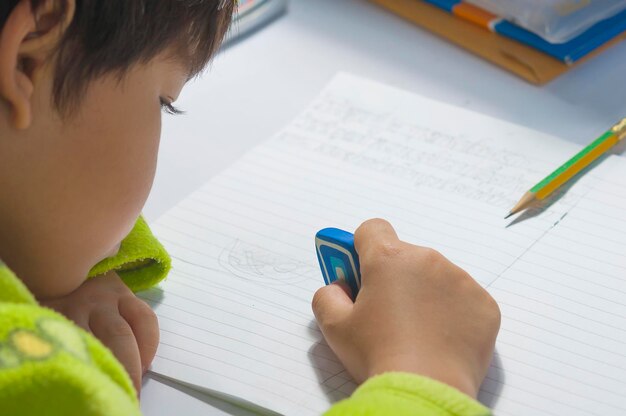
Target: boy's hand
pixel 124 323
pixel 415 312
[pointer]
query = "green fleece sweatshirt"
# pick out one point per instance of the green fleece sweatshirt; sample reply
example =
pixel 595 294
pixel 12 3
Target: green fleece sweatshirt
pixel 49 366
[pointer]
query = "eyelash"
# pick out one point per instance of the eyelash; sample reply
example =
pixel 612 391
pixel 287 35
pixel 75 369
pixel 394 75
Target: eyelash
pixel 169 108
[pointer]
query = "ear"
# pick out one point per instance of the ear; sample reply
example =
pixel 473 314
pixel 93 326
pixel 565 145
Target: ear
pixel 27 41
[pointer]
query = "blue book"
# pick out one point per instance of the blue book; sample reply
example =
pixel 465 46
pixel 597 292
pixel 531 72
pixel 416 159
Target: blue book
pixel 568 52
pixel 252 15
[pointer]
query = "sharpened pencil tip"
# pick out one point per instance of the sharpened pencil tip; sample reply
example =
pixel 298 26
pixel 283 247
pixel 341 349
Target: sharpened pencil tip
pixel 510 213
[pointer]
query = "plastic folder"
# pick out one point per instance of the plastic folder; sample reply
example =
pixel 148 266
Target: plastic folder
pixel 520 59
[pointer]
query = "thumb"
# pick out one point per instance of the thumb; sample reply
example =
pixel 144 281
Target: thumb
pixel 332 305
pixel 373 234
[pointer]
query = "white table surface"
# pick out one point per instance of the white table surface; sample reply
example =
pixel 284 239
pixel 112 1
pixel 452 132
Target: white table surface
pixel 262 82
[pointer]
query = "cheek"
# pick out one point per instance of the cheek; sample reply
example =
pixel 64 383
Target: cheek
pixel 129 171
pixel 114 152
pixel 134 152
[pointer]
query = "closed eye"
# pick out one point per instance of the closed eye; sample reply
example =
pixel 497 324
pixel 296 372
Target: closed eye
pixel 167 107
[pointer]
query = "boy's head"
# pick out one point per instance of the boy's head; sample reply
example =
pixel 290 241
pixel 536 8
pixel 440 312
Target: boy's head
pixel 82 84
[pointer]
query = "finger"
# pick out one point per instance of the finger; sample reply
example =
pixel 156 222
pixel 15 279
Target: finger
pixel 374 234
pixel 344 286
pixel 75 314
pixel 332 305
pixel 143 321
pixel 81 320
pixel 114 332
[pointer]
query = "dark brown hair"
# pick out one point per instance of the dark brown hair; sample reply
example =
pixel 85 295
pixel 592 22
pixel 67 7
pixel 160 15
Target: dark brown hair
pixel 112 35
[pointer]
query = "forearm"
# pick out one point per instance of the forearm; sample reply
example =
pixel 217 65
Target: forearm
pixel 403 394
pixel 53 367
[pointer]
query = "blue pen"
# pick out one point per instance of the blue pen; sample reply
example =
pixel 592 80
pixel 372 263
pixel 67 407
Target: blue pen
pixel 338 258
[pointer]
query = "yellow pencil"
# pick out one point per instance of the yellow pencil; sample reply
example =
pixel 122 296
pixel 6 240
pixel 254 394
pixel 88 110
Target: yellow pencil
pixel 570 168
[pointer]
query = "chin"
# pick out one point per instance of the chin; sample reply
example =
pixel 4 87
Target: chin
pixel 113 251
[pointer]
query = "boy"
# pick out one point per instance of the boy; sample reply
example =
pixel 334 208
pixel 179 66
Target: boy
pixel 82 85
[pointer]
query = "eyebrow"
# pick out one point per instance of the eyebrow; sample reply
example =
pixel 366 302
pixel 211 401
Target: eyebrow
pixel 182 62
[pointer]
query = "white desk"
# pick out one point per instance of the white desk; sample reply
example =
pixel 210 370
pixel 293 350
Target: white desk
pixel 260 83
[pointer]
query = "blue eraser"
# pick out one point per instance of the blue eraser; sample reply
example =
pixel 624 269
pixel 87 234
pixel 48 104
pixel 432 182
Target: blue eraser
pixel 338 258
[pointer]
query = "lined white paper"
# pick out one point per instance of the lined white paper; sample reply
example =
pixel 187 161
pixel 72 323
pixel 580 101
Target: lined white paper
pixel 235 313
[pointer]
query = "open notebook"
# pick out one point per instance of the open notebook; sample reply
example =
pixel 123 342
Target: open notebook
pixel 235 313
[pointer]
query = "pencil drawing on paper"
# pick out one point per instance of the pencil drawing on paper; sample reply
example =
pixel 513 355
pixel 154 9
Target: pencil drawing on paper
pixel 254 263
